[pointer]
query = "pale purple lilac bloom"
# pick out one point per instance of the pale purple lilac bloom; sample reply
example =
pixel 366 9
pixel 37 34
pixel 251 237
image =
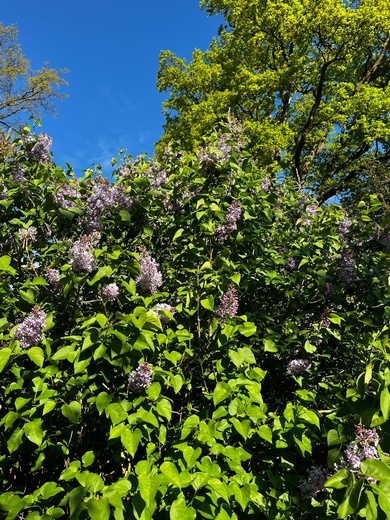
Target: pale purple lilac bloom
pixel 363 447
pixel 140 378
pixel 29 332
pixel 314 483
pixel 228 306
pixel 65 194
pixel 82 255
pixel 110 292
pixel 52 276
pixel 27 234
pixel 160 307
pixel 344 226
pixel 266 184
pixel 234 213
pixel 103 198
pixel 150 278
pixel 296 367
pixel 311 210
pixel 291 264
pixel 41 149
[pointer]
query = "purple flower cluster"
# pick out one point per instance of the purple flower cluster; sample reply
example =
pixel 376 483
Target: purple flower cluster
pixel 103 198
pixel 228 306
pixel 156 175
pixel 65 196
pixel 233 214
pixel 347 267
pixel 291 264
pixel 363 447
pixel 160 307
pixel 27 234
pixel 82 255
pixel 3 191
pixel 328 290
pixel 17 173
pixel 41 149
pixel 30 330
pixel 266 184
pixel 110 292
pixel 151 277
pixel 344 226
pixel 52 276
pixel 227 145
pixel 314 483
pixel 296 367
pixel 140 378
pixel 311 210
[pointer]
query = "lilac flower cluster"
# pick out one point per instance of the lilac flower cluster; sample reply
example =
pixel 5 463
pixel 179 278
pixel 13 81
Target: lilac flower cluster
pixel 17 174
pixel 328 290
pixel 363 447
pixel 291 264
pixel 156 176
pixel 227 145
pixel 228 306
pixel 150 278
pixel 82 255
pixel 103 198
pixel 140 378
pixel 52 276
pixel 266 184
pixel 311 210
pixel 344 226
pixel 233 214
pixel 30 330
pixel 160 307
pixel 110 292
pixel 314 483
pixel 296 367
pixel 41 149
pixel 347 267
pixel 64 198
pixel 3 191
pixel 27 234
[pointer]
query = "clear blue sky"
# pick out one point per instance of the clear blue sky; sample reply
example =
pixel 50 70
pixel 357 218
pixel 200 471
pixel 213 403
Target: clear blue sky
pixel 111 50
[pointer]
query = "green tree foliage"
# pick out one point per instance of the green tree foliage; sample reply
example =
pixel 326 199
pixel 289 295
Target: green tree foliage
pixel 188 341
pixel 308 80
pixel 23 92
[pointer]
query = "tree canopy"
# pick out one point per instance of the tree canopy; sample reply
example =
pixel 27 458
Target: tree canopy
pixel 308 80
pixel 23 91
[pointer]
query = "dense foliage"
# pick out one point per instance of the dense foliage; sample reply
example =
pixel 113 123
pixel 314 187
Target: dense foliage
pixel 308 80
pixel 190 340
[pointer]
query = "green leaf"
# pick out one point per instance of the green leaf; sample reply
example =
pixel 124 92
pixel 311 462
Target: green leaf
pixel 375 469
pixel 208 303
pixel 178 234
pixel 88 458
pixel 104 271
pixel 48 407
pixel 72 411
pixel 98 508
pixel 5 354
pixel 269 345
pixel 170 471
pixel 265 433
pixel 338 480
pixel 236 278
pixel 242 427
pixel 15 440
pixel 385 403
pixel 102 401
pixel 148 486
pixel 333 438
pixel 75 498
pixel 131 439
pixel 220 487
pixel 221 392
pixel 34 432
pixel 180 511
pixel 5 262
pixel 36 355
pixel 164 408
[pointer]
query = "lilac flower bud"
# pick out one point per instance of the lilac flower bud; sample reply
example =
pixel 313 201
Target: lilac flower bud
pixel 228 306
pixel 41 149
pixel 17 174
pixel 30 330
pixel 110 292
pixel 140 378
pixel 363 447
pixel 151 277
pixel 82 255
pixel 297 366
pixel 314 483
